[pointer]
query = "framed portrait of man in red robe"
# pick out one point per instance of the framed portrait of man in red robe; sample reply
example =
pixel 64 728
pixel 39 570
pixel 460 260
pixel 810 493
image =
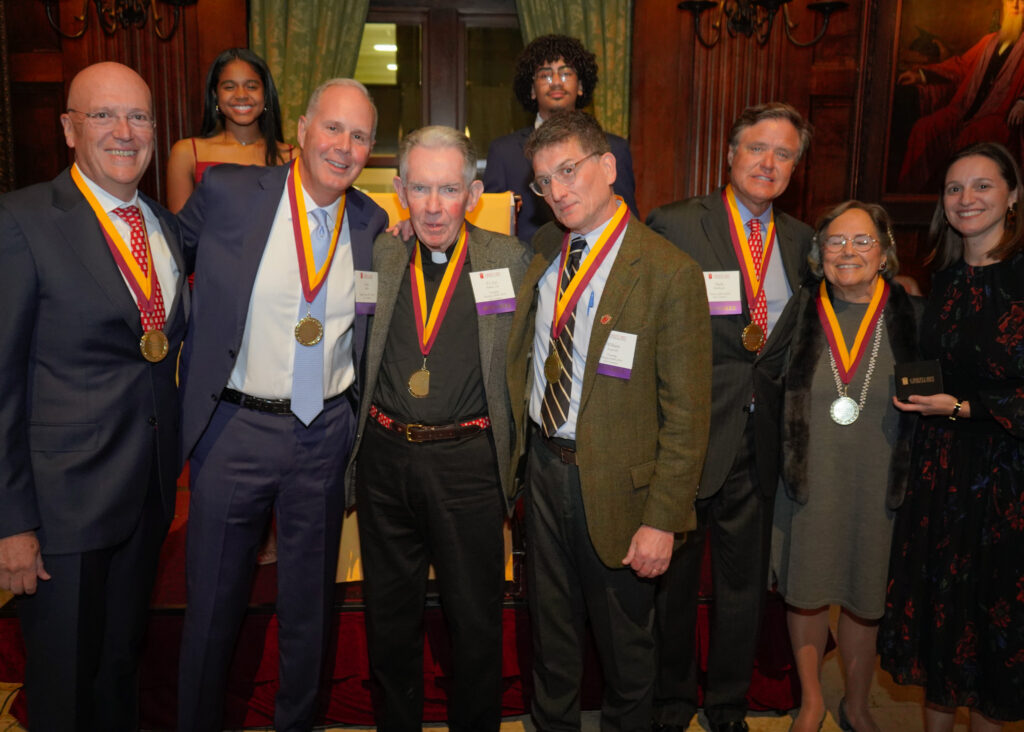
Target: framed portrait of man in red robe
pixel 941 74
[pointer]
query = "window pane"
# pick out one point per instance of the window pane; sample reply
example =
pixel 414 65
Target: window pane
pixel 491 108
pixel 390 65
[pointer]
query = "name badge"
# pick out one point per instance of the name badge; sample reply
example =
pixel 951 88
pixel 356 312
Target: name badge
pixel 617 357
pixel 724 292
pixel 493 291
pixel 366 292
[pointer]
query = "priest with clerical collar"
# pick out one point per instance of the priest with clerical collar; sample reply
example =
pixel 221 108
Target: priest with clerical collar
pixel 434 438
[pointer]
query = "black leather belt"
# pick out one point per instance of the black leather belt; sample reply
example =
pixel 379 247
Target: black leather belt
pixel 564 449
pixel 259 404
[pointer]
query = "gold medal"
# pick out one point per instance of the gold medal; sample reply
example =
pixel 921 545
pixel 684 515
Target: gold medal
pixel 552 367
pixel 153 345
pixel 753 337
pixel 309 331
pixel 419 383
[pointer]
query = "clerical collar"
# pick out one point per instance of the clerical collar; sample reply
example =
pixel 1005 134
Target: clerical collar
pixel 435 256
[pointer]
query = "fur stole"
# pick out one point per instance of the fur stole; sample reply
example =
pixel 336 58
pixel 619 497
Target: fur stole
pixel 902 315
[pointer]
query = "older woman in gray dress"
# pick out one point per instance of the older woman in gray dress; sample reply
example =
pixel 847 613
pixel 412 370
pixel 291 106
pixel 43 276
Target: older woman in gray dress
pixel 845 453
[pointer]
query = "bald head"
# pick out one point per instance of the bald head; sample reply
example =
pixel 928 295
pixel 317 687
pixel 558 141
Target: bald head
pixel 109 124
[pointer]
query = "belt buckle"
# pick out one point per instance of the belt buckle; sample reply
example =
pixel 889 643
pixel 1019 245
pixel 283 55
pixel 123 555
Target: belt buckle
pixel 408 433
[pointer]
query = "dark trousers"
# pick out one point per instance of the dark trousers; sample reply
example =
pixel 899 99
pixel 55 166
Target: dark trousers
pixel 567 585
pixel 247 465
pixel 434 503
pixel 84 628
pixel 739 518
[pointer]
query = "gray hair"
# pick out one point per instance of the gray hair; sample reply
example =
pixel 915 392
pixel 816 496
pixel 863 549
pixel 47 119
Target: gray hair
pixel 314 98
pixel 438 137
pixel 879 217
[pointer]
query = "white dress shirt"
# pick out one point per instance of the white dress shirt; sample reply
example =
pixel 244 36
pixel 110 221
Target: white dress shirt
pixel 264 364
pixel 586 310
pixel 167 272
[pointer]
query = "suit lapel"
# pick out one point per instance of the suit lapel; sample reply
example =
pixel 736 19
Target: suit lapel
pixel 621 280
pixel 182 294
pixel 790 250
pixel 392 263
pixel 254 239
pixel 715 223
pixel 480 259
pixel 77 223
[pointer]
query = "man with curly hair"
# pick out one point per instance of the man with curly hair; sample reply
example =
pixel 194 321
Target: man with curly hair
pixel 553 73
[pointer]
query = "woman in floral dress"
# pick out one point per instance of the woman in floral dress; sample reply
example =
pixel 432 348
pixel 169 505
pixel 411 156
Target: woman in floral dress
pixel 954 616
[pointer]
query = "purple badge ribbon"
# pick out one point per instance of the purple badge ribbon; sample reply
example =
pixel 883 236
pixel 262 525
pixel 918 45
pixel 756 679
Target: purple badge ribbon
pixel 493 307
pixel 617 371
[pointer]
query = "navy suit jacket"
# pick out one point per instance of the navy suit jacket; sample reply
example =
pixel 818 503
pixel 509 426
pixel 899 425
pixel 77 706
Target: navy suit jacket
pixel 509 170
pixel 86 423
pixel 225 226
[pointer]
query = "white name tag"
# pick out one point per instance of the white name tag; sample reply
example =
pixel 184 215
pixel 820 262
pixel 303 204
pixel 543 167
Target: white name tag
pixel 617 357
pixel 366 292
pixel 724 292
pixel 493 291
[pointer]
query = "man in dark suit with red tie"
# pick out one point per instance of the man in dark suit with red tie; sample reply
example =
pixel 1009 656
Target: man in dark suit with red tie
pixel 736 235
pixel 269 380
pixel 93 314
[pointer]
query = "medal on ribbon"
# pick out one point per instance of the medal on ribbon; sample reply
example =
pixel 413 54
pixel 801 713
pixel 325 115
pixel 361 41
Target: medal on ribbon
pixel 428 322
pixel 845 361
pixel 309 330
pixel 565 302
pixel 753 335
pixel 153 344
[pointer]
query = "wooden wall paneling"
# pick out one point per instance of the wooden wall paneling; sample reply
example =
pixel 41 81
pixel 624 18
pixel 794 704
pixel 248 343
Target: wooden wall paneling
pixel 43 64
pixel 660 119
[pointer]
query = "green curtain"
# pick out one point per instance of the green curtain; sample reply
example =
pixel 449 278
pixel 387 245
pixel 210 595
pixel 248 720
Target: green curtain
pixel 606 28
pixel 305 42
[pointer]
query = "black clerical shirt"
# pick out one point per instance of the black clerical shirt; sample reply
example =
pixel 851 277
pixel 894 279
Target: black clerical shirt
pixel 456 381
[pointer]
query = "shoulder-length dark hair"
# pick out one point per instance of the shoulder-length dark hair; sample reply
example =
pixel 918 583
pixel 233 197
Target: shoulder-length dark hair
pixel 947 244
pixel 269 121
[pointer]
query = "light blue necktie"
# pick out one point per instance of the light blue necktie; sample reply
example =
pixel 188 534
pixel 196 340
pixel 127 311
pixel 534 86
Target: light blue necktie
pixel 308 369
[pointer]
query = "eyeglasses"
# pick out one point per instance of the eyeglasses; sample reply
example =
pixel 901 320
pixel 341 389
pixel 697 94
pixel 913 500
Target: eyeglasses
pixel 548 76
pixel 104 120
pixel 862 243
pixel 566 175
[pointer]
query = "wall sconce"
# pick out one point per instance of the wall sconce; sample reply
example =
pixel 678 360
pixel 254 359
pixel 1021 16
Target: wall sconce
pixel 115 14
pixel 754 18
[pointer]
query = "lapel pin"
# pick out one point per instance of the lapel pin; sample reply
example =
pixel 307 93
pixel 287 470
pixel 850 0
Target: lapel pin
pixel 606 319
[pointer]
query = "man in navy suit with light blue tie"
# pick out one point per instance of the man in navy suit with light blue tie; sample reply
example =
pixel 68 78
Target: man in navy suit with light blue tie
pixel 269 375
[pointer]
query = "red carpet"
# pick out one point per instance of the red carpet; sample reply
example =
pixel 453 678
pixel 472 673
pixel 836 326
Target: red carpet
pixel 347 697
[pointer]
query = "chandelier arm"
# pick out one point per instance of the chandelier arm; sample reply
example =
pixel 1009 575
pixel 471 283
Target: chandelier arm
pixel 158 21
pixel 83 19
pixel 788 24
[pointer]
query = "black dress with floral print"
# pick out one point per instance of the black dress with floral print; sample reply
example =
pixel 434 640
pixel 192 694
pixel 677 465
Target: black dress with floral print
pixel 954 615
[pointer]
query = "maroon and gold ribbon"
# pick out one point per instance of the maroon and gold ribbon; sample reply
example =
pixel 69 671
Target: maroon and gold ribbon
pixel 847 359
pixel 312 277
pixel 753 278
pixel 141 283
pixel 429 323
pixel 566 302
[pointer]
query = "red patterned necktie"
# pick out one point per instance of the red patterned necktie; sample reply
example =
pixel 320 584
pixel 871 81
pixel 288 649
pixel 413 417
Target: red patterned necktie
pixel 152 319
pixel 759 309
